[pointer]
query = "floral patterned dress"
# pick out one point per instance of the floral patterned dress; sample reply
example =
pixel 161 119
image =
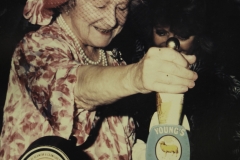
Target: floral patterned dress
pixel 40 100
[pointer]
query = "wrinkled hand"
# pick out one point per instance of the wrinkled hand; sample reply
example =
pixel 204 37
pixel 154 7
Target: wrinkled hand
pixel 165 70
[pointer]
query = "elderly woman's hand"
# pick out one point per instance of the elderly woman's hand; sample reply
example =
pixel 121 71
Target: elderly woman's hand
pixel 164 70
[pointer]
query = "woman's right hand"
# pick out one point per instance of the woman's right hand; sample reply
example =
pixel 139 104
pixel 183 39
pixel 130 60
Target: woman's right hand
pixel 164 70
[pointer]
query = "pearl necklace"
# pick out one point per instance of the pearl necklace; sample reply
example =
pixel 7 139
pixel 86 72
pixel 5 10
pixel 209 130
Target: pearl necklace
pixel 102 55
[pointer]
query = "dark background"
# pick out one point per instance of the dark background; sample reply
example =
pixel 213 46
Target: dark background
pixel 224 27
pixel 12 28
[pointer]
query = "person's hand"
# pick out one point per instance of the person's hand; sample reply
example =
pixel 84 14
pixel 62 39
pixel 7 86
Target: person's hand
pixel 164 70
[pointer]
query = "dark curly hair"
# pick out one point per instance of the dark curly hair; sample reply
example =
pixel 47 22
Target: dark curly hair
pixel 185 18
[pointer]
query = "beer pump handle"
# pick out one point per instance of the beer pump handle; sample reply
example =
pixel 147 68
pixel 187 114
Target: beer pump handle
pixel 168 139
pixel 169 106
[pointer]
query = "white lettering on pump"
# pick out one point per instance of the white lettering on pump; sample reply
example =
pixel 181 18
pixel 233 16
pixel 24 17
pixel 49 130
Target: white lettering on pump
pixel 175 130
pixel 169 130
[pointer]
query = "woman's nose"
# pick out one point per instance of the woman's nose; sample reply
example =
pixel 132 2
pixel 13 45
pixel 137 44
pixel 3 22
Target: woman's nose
pixel 170 35
pixel 110 17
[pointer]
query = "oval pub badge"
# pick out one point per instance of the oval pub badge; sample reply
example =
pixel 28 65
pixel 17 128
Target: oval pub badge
pixel 168 142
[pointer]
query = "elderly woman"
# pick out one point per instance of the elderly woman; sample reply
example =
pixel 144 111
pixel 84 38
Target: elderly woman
pixel 61 75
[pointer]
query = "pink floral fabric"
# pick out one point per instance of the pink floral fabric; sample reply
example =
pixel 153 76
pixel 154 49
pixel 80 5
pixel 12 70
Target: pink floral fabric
pixel 40 100
pixel 39 11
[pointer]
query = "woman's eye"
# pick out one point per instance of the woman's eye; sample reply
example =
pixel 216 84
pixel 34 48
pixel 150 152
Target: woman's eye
pixel 101 7
pixel 100 3
pixel 182 38
pixel 161 32
pixel 122 7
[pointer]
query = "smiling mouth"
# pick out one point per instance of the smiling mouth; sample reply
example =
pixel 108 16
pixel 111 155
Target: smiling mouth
pixel 105 31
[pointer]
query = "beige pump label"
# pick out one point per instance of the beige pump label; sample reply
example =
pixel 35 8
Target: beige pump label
pixel 169 108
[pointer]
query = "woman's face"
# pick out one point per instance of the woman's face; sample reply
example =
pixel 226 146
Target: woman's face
pixel 161 35
pixel 97 22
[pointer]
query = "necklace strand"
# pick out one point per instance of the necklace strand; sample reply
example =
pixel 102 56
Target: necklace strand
pixel 102 55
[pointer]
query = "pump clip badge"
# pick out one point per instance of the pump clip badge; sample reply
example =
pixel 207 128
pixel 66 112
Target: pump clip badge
pixel 168 142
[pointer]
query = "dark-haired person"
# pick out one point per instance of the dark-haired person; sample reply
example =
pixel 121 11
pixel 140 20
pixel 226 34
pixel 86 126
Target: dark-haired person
pixel 211 106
